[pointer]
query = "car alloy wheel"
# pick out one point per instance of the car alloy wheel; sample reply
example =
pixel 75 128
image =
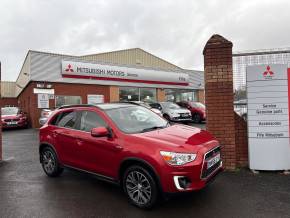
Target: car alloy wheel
pixel 196 118
pixel 138 187
pixel 48 161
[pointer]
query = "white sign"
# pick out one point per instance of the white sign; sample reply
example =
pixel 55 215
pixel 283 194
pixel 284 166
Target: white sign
pixel 43 101
pixel 95 99
pixel 43 91
pixel 268 117
pixel 81 70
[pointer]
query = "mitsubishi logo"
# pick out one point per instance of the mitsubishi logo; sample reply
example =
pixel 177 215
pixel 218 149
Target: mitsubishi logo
pixel 268 72
pixel 69 68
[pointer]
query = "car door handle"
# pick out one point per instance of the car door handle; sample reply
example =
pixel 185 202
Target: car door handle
pixel 118 147
pixel 79 141
pixel 54 134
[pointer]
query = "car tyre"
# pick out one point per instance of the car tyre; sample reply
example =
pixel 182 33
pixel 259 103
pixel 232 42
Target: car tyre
pixel 166 116
pixel 140 187
pixel 50 163
pixel 196 118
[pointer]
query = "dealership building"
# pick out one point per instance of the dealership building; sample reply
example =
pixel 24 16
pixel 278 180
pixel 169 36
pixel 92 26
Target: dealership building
pixel 49 80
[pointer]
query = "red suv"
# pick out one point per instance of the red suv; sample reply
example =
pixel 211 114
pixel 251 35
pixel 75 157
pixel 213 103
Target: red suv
pixel 13 117
pixel 132 146
pixel 197 110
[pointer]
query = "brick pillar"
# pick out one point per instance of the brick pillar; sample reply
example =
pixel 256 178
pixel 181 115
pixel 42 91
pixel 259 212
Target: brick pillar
pixel 160 95
pixel 114 94
pixel 219 96
pixel 200 96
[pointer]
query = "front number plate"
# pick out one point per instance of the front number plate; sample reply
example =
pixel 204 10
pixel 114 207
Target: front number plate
pixel 213 161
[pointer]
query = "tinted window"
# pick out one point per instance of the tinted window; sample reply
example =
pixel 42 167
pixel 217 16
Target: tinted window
pixel 66 119
pixel 90 120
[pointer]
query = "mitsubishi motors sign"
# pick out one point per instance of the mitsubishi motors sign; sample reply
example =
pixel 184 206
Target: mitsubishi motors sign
pixel 82 70
pixel 268 91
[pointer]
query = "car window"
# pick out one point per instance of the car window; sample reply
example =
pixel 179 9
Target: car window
pixel 66 119
pixel 90 120
pixel 170 105
pixel 136 119
pixel 10 111
pixel 156 105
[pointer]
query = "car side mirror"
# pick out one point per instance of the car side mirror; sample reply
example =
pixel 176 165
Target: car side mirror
pixel 100 132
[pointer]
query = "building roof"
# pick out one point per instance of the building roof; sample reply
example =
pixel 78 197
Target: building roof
pixel 262 52
pixel 40 66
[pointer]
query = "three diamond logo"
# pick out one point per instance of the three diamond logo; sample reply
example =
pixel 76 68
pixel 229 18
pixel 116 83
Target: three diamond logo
pixel 69 68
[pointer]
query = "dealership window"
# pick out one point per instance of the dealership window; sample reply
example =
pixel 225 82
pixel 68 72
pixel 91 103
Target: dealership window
pixel 148 94
pixel 129 94
pixel 137 94
pixel 61 100
pixel 176 95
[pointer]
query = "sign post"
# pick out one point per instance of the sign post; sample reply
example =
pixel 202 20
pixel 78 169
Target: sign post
pixel 268 94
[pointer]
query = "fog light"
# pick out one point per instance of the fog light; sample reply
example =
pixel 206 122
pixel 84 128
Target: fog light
pixel 181 182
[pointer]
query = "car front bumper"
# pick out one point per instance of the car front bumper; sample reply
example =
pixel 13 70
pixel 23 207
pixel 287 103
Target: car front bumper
pixel 179 119
pixel 193 176
pixel 15 124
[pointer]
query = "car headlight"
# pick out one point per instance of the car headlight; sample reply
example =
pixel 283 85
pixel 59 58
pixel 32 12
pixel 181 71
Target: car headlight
pixel 178 159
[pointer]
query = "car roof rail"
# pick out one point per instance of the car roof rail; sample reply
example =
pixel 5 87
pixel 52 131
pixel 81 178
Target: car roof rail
pixel 76 105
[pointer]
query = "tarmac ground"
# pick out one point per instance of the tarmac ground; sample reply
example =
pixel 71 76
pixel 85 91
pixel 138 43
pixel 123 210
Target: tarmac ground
pixel 25 191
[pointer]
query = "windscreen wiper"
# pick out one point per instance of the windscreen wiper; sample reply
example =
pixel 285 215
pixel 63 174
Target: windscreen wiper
pixel 153 128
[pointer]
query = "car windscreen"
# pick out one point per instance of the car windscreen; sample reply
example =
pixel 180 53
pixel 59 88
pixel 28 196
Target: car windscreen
pixel 170 105
pixel 136 119
pixel 9 111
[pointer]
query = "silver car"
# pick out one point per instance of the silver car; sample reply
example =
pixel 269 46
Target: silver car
pixel 45 113
pixel 172 111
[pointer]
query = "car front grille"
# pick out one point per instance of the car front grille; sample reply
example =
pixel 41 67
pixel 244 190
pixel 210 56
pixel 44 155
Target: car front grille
pixel 11 120
pixel 207 172
pixel 184 115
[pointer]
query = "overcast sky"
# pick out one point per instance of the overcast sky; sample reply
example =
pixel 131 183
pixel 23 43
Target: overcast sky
pixel 175 30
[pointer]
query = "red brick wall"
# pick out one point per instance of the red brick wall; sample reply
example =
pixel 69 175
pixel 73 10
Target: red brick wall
pixel 219 96
pixel 28 103
pixel 28 100
pixel 9 101
pixel 200 96
pixel 222 121
pixel 241 141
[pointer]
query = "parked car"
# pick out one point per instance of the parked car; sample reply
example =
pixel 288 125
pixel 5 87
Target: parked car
pixel 45 113
pixel 144 104
pixel 172 111
pixel 146 157
pixel 197 110
pixel 13 117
